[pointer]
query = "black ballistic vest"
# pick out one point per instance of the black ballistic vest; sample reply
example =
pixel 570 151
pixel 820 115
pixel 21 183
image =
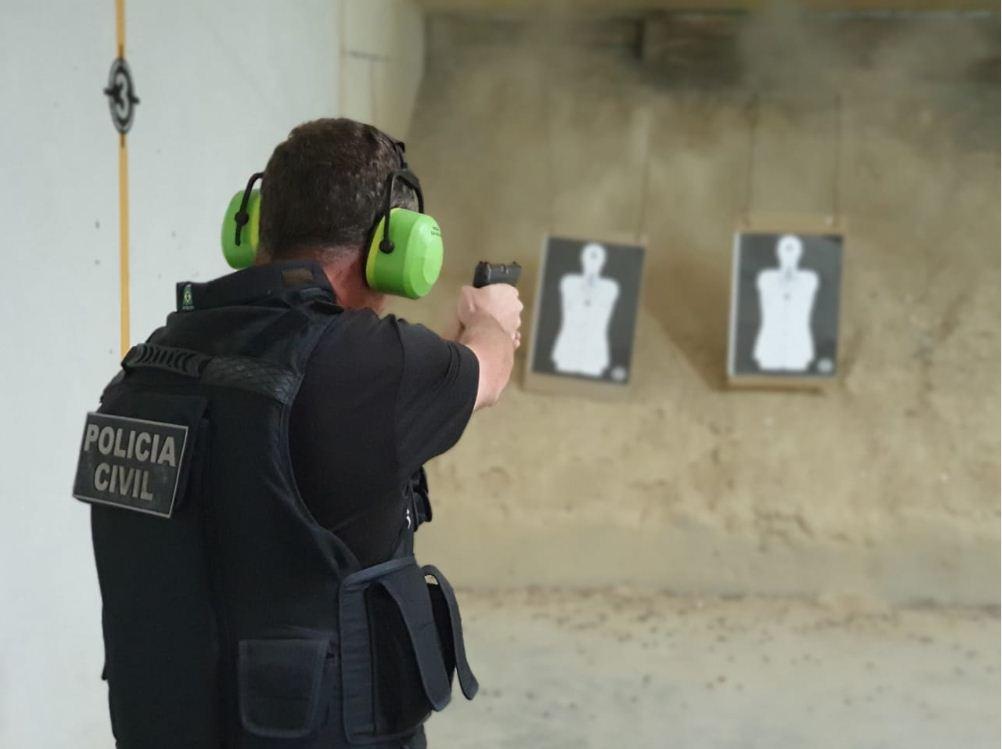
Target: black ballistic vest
pixel 231 618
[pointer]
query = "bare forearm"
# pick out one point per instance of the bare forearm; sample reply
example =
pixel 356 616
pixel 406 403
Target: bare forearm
pixel 496 354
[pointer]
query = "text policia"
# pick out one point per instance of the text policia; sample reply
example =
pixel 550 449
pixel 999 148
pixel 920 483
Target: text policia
pixel 132 444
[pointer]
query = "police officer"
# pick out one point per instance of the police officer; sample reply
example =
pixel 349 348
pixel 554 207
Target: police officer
pixel 255 479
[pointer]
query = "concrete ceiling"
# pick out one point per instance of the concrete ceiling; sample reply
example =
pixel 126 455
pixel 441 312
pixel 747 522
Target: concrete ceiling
pixel 621 7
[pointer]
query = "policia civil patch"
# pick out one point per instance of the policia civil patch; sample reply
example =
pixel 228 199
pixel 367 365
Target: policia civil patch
pixel 130 463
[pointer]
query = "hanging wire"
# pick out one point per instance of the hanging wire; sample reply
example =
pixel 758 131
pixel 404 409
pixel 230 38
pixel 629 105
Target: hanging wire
pixel 753 114
pixel 645 178
pixel 836 167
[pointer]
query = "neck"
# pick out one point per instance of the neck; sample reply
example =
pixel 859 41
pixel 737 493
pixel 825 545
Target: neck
pixel 346 273
pixel 345 270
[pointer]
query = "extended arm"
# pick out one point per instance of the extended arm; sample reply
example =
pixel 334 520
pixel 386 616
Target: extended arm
pixel 490 318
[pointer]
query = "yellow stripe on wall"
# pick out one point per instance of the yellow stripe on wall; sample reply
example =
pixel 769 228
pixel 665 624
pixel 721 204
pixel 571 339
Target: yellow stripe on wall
pixel 123 239
pixel 120 26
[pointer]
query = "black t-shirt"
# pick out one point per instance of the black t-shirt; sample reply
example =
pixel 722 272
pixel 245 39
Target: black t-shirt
pixel 379 398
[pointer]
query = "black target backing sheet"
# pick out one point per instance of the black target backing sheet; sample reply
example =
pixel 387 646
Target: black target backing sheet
pixel 603 332
pixel 757 294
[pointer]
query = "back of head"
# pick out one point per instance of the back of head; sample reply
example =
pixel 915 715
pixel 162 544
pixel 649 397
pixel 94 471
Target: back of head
pixel 324 188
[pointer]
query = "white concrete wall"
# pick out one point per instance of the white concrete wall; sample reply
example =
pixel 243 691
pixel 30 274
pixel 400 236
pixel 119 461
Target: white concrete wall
pixel 221 83
pixel 382 62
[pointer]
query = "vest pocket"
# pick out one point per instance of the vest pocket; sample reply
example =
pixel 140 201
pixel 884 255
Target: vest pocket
pixel 281 685
pixel 398 650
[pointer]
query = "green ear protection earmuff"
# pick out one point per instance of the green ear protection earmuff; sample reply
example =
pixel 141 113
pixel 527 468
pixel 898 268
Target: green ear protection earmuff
pixel 240 226
pixel 404 249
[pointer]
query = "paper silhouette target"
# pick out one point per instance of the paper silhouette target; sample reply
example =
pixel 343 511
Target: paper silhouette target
pixel 587 301
pixel 784 306
pixel 586 310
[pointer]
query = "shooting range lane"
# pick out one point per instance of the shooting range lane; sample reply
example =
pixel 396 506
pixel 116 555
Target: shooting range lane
pixel 620 669
pixel 888 483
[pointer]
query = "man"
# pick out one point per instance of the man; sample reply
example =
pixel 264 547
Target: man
pixel 272 599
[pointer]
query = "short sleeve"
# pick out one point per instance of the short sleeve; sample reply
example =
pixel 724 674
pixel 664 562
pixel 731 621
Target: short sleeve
pixel 436 396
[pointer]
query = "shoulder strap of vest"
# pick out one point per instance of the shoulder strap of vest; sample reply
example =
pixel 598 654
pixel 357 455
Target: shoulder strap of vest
pixel 253 369
pixel 241 372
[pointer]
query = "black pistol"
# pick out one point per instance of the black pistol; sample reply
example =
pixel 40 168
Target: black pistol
pixel 487 274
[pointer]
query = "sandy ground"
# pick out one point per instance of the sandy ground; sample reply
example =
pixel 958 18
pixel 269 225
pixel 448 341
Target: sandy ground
pixel 611 669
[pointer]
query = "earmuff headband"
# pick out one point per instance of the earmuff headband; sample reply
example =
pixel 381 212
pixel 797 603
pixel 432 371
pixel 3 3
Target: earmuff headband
pixel 242 217
pixel 410 179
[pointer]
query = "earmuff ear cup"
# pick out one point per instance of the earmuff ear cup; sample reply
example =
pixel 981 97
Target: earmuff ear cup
pixel 413 266
pixel 242 255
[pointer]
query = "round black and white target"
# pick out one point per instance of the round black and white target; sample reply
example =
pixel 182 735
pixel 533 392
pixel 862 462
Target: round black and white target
pixel 121 93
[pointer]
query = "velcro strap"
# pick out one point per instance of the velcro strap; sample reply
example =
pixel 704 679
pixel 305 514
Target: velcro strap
pixel 467 680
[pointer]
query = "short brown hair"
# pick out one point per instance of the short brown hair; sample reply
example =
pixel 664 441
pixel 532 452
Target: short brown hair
pixel 325 185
